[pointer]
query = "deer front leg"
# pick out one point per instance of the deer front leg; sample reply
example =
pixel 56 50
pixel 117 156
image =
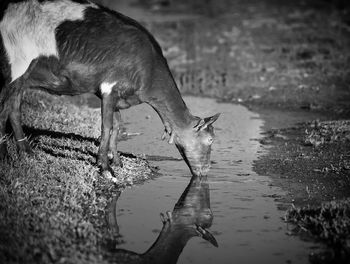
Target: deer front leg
pixel 114 139
pixel 10 103
pixel 106 127
pixel 15 119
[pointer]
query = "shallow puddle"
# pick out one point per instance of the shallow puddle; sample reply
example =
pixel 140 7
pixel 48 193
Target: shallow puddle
pixel 247 223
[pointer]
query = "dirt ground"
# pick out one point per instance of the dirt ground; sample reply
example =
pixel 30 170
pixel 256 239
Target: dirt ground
pixel 289 56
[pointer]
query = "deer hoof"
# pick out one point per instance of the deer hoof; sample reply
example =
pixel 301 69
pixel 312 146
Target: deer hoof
pixel 108 174
pixel 105 169
pixel 115 159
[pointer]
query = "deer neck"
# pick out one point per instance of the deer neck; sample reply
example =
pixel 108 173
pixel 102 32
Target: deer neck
pixel 169 244
pixel 165 98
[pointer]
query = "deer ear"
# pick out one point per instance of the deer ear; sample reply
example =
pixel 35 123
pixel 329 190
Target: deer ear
pixel 204 123
pixel 205 234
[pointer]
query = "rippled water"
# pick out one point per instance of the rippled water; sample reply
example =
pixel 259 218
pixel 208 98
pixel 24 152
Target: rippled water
pixel 247 224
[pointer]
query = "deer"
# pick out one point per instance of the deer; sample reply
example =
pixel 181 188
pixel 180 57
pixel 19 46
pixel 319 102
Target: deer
pixel 190 217
pixel 73 47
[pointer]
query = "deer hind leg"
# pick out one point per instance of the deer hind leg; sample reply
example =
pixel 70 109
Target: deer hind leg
pixel 113 141
pixel 10 103
pixel 106 128
pixel 15 119
pixel 10 100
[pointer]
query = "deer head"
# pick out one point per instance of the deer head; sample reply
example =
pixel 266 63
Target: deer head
pixel 194 144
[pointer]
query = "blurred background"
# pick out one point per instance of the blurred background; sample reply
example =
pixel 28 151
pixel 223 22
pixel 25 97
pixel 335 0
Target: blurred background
pixel 282 53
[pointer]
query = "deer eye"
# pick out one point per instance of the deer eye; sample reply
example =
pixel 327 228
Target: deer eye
pixel 210 140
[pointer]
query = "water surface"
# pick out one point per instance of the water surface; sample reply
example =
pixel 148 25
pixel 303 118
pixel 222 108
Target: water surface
pixel 247 223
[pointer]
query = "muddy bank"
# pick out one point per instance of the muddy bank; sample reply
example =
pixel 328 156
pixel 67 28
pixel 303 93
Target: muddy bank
pixel 328 223
pixel 309 160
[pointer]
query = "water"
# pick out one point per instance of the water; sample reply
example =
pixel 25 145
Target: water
pixel 247 223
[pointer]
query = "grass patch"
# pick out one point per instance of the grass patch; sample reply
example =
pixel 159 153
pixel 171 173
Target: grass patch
pixel 52 203
pixel 324 132
pixel 329 223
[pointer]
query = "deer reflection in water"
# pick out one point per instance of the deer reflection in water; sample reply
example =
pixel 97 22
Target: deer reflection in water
pixel 190 217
